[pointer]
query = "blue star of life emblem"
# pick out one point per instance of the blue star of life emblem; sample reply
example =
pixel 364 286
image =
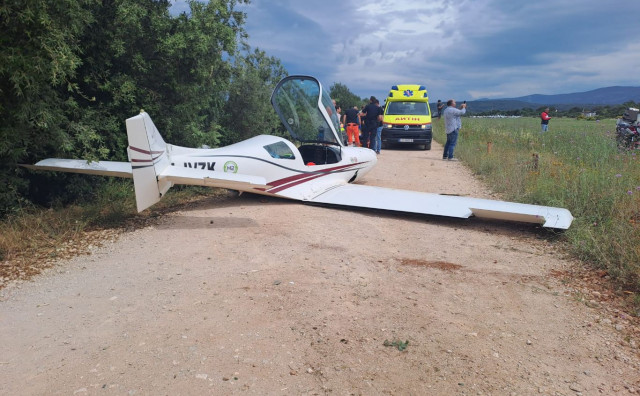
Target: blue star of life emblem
pixel 408 93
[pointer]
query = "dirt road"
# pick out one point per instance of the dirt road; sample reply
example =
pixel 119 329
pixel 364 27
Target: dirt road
pixel 263 296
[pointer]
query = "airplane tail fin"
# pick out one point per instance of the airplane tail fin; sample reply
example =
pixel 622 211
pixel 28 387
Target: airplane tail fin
pixel 151 168
pixel 148 155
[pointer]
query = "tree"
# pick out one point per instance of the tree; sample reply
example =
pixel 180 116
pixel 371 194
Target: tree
pixel 176 69
pixel 39 57
pixel 248 111
pixel 73 70
pixel 344 97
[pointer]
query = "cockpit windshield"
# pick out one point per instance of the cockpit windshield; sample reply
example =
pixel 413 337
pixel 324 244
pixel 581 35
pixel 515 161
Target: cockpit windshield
pixel 306 110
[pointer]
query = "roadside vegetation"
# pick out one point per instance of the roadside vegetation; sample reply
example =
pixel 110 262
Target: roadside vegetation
pixel 575 165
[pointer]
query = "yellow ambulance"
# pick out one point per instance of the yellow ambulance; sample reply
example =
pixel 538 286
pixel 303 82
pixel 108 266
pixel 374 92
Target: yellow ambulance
pixel 407 117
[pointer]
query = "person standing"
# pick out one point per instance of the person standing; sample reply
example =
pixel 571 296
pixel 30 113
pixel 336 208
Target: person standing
pixel 333 113
pixel 378 139
pixel 370 114
pixel 352 121
pixel 452 125
pixel 544 120
pixel 439 108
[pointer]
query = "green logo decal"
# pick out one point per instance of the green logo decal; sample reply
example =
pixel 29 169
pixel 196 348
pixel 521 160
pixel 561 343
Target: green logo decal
pixel 230 167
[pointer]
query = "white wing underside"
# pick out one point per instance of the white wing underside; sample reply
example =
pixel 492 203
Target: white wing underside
pixel 172 174
pixel 443 205
pixel 104 168
pixel 197 177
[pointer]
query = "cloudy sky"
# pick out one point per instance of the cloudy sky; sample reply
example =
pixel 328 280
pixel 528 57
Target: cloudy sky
pixel 462 49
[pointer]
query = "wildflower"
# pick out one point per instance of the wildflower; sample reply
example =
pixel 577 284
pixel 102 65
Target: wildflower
pixel 618 175
pixel 629 192
pixel 638 188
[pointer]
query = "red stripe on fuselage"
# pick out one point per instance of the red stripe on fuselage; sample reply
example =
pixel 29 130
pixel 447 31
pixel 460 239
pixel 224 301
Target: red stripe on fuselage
pixel 146 152
pixel 287 182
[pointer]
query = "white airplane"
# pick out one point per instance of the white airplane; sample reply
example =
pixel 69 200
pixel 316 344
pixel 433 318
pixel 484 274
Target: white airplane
pixel 320 170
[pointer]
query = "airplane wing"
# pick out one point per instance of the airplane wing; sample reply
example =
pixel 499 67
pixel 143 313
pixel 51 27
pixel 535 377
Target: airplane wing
pixel 442 205
pixel 198 177
pixel 172 174
pixel 104 168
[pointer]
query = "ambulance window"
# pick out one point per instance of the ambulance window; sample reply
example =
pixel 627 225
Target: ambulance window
pixel 280 150
pixel 407 108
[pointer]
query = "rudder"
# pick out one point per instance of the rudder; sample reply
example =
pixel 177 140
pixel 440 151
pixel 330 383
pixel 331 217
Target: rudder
pixel 148 155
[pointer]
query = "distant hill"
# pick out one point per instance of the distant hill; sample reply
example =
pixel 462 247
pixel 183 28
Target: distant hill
pixel 597 97
pixel 600 96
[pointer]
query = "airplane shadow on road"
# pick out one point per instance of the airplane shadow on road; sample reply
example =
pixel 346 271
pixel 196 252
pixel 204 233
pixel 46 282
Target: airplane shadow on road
pixel 182 218
pixel 236 219
pixel 499 227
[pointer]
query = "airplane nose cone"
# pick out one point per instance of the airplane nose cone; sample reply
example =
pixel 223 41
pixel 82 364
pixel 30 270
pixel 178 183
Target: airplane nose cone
pixel 373 157
pixel 369 158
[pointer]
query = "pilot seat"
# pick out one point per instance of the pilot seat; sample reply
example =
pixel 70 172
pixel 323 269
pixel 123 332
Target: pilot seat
pixel 320 154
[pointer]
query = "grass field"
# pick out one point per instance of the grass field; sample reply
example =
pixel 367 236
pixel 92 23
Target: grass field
pixel 575 165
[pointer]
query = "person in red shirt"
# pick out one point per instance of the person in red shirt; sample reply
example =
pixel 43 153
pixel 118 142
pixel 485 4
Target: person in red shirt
pixel 544 117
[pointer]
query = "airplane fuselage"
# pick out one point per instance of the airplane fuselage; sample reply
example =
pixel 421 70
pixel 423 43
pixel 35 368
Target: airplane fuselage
pixel 288 169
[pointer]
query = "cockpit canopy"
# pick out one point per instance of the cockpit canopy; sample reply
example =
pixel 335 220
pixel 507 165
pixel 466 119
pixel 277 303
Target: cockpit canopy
pixel 306 110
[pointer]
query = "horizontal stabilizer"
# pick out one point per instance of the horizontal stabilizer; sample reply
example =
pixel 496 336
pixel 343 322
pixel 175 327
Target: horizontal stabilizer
pixel 104 168
pixel 443 205
pixel 198 177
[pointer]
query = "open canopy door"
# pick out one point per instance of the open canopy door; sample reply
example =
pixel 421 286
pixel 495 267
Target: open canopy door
pixel 306 110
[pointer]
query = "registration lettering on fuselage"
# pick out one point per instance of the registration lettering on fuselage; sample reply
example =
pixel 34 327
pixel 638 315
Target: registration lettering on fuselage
pixel 201 165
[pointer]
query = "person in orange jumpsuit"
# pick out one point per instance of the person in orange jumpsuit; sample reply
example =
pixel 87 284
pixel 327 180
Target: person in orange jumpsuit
pixel 352 121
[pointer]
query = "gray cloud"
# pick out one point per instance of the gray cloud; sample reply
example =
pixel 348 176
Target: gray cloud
pixel 457 48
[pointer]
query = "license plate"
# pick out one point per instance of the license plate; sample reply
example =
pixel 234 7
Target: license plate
pixel 405 140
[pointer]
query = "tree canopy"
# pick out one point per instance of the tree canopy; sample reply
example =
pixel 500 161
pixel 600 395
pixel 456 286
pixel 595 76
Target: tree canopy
pixel 72 71
pixel 344 97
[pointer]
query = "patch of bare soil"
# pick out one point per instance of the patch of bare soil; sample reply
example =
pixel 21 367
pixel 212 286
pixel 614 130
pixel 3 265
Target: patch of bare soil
pixel 266 296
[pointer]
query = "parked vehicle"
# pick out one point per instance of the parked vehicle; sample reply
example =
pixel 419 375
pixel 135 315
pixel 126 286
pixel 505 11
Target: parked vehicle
pixel 627 133
pixel 407 117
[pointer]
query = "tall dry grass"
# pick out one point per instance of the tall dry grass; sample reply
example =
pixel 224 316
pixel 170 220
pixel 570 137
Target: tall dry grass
pixel 578 167
pixel 33 234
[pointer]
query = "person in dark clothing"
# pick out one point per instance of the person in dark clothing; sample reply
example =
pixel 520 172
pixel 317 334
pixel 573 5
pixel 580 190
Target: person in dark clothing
pixel 370 114
pixel 439 108
pixel 378 138
pixel 352 121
